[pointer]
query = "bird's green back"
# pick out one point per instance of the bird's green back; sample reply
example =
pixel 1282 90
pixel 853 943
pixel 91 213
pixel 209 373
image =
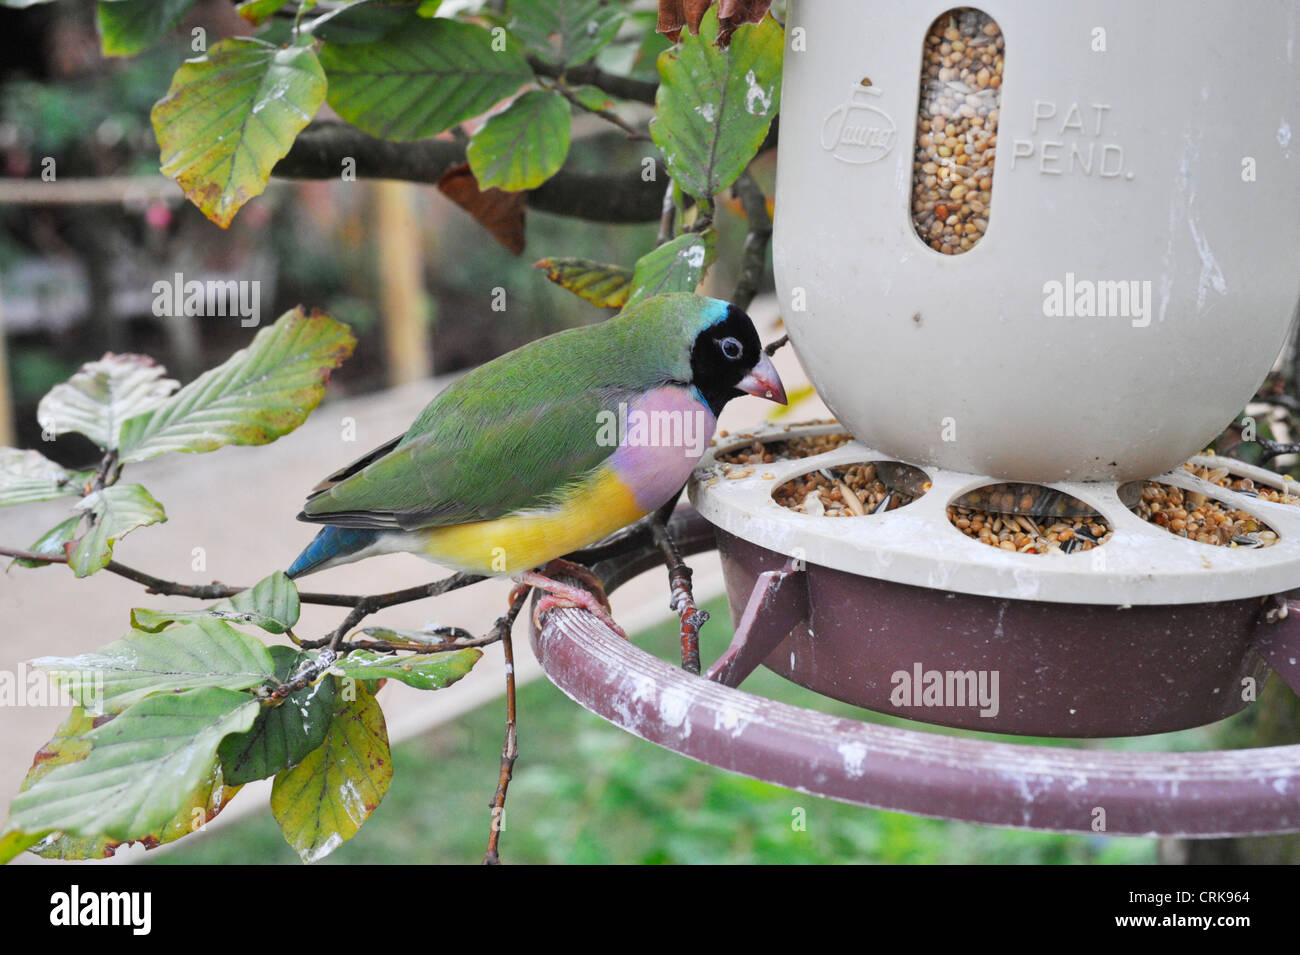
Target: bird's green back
pixel 516 432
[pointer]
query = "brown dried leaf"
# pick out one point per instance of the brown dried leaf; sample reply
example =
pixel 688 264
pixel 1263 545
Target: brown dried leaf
pixel 500 212
pixel 674 14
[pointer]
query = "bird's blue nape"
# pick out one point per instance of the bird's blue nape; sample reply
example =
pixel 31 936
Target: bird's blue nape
pixel 717 311
pixel 329 545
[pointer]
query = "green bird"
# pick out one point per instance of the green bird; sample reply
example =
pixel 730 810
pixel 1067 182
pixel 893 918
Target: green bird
pixel 549 448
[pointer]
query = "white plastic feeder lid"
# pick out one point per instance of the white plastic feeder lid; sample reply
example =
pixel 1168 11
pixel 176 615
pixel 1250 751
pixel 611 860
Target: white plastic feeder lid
pixel 917 544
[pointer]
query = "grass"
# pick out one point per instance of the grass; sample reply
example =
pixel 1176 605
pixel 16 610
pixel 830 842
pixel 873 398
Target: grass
pixel 586 792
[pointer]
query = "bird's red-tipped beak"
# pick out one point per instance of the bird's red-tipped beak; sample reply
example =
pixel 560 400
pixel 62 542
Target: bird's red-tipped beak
pixel 763 381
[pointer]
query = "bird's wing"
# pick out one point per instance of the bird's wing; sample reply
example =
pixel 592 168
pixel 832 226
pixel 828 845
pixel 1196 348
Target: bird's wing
pixel 343 473
pixel 474 460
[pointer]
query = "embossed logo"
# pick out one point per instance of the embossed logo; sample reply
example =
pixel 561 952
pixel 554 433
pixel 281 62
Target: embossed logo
pixel 858 131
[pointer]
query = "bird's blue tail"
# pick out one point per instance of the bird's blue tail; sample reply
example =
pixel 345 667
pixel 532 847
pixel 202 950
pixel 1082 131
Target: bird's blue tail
pixel 332 545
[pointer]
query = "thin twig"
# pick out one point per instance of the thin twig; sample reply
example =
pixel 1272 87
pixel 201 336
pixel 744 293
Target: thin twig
pixel 608 116
pixel 666 216
pixel 312 670
pixel 308 674
pixel 1275 449
pixel 682 599
pixel 510 745
pixel 622 87
pixel 219 591
pixel 405 646
pixel 772 347
pixel 701 223
pixel 108 472
pixel 754 256
pixel 365 606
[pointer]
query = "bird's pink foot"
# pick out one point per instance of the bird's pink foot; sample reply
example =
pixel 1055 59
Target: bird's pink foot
pixel 560 594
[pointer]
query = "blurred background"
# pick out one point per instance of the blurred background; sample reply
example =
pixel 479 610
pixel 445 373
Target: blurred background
pixel 79 254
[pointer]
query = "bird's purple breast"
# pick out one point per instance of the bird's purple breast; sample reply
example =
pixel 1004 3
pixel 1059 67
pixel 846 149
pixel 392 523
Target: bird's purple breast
pixel 661 437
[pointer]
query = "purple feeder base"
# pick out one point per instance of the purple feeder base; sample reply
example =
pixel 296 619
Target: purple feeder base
pixel 1049 663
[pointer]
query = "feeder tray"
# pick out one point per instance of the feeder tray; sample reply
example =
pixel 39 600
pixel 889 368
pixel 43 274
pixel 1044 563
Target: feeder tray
pixel 1144 639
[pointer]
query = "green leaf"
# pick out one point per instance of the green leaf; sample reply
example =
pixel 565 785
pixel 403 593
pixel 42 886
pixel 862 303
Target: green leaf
pixel 27 476
pixel 200 807
pixel 565 32
pixel 127 27
pixel 103 394
pixel 676 266
pixel 597 282
pixel 231 115
pixel 713 107
pixel 206 653
pixel 257 12
pixel 422 79
pixel 592 97
pixel 283 735
pixel 523 146
pixel 15 841
pixel 52 541
pixel 322 802
pixel 424 671
pixel 114 512
pixel 257 395
pixel 69 745
pixel 142 768
pixel 271 603
pixel 363 21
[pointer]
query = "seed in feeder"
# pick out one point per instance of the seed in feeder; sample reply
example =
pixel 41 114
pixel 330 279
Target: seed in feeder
pixel 1022 533
pixel 1224 478
pixel 854 490
pixel 956 125
pixel 787 449
pixel 1209 520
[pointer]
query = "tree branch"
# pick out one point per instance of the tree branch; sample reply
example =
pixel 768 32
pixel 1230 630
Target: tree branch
pixel 754 257
pixel 510 745
pixel 322 147
pixel 616 199
pixel 320 150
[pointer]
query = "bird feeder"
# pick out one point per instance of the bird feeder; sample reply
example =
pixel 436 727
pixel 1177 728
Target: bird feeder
pixel 1034 257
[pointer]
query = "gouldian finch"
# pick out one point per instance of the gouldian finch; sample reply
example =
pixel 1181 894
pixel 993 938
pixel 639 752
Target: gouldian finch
pixel 549 448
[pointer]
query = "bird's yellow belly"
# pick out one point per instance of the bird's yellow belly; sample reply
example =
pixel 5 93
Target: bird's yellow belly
pixel 521 542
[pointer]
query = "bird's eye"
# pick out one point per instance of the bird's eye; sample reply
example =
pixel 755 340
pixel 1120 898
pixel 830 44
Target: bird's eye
pixel 731 348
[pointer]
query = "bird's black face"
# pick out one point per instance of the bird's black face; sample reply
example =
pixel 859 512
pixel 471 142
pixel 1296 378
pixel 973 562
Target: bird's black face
pixel 727 360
